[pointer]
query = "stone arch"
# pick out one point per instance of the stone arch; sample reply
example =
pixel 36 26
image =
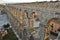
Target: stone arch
pixel 35 16
pixel 33 19
pixel 26 13
pixel 25 17
pixel 33 13
pixel 50 28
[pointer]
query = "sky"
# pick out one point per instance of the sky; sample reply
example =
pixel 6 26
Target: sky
pixel 20 1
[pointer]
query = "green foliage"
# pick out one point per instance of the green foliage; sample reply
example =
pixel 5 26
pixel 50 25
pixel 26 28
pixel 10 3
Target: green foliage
pixel 10 35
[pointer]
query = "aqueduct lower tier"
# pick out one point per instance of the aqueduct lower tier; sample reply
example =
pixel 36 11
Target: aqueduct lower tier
pixel 43 15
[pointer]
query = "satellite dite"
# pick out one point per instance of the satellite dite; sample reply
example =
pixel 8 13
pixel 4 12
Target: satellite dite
pixel 30 21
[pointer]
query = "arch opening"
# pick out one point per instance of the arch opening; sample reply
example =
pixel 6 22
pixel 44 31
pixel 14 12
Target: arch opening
pixel 33 20
pixel 36 16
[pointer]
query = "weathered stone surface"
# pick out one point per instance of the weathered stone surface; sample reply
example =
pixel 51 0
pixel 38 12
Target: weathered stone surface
pixel 45 11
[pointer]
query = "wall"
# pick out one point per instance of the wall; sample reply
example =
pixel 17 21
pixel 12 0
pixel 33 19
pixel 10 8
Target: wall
pixel 46 11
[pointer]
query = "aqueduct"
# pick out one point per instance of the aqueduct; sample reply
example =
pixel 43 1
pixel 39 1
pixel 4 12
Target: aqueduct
pixel 21 15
